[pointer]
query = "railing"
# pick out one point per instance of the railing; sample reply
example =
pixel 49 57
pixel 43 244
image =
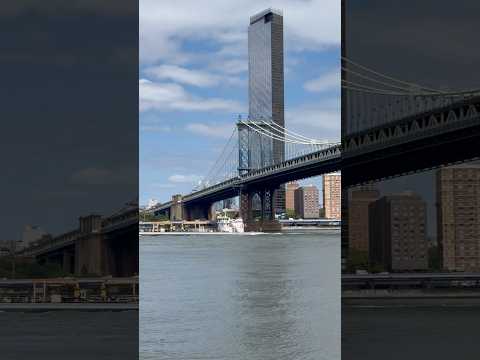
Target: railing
pixel 70 290
pixel 110 223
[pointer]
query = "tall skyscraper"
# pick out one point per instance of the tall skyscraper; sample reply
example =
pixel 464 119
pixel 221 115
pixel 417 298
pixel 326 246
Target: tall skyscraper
pixel 458 217
pixel 265 66
pixel 290 195
pixel 332 195
pixel 306 202
pixel 359 200
pixel 397 230
pixel 265 90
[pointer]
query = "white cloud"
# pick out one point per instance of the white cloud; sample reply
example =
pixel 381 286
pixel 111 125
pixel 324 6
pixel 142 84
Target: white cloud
pixel 170 96
pixel 182 75
pixel 165 25
pixel 213 130
pixel 155 128
pixel 184 179
pixel 327 81
pixel 319 121
pixel 201 78
pixel 233 66
pixel 162 185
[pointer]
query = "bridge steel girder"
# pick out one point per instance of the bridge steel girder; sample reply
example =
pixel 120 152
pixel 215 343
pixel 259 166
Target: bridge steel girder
pixel 266 222
pixel 421 142
pixel 201 210
pixel 296 173
pixel 413 156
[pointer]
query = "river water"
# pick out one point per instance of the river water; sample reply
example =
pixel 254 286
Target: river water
pixel 229 297
pixel 410 332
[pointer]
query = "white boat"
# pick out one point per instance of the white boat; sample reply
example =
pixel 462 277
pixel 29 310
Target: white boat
pixel 227 225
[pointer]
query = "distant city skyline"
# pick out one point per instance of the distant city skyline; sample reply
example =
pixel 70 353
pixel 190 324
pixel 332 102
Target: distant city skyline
pixel 194 84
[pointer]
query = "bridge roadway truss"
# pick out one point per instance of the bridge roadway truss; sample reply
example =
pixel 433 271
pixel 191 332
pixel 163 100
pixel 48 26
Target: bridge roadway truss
pixel 427 140
pixel 261 183
pixel 98 247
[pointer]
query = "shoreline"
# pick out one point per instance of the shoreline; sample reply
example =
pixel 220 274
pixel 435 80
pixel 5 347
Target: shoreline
pixel 284 230
pixel 42 307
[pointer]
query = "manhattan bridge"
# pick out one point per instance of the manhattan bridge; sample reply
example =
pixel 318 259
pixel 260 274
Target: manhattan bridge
pixel 390 127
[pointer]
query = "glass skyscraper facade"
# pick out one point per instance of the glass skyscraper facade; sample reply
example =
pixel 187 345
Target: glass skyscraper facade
pixel 265 90
pixel 260 67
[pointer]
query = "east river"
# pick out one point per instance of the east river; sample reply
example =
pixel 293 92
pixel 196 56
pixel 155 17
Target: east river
pixel 243 297
pixel 240 297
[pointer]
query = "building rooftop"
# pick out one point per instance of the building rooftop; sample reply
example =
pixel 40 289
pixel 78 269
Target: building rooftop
pixel 261 14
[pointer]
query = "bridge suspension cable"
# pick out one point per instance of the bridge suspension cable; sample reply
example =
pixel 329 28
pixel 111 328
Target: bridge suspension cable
pixel 408 88
pixel 221 164
pixel 409 84
pixel 396 87
pixel 256 127
pixel 294 135
pixel 262 131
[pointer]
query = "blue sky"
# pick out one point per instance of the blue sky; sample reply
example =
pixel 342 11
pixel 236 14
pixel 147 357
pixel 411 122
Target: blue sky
pixel 193 82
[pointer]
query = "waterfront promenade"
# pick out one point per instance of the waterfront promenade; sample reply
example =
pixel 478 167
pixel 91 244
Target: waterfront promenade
pixel 105 293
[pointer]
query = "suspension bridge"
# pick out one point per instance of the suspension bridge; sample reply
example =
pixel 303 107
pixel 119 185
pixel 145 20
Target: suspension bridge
pixel 390 127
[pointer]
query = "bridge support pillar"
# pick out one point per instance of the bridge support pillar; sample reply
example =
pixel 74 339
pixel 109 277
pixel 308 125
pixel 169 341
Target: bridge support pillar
pixel 245 205
pixel 265 222
pixel 68 261
pixel 176 210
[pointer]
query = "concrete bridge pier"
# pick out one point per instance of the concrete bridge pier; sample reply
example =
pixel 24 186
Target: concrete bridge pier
pixel 176 209
pixel 68 261
pixel 89 247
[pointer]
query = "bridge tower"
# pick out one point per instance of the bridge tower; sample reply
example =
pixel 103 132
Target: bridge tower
pixel 176 210
pixel 256 209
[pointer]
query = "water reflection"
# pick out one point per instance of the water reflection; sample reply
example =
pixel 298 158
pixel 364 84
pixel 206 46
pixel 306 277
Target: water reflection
pixel 241 297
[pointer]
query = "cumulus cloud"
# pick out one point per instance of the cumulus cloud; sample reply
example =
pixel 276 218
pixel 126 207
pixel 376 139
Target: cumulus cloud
pixel 171 96
pixel 184 179
pixel 326 82
pixel 183 75
pixel 165 25
pixel 317 120
pixel 213 130
pixel 155 128
pixel 232 66
pixel 162 185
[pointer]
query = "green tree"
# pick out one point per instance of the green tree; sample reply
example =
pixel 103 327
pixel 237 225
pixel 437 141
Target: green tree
pixel 291 214
pixel 147 216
